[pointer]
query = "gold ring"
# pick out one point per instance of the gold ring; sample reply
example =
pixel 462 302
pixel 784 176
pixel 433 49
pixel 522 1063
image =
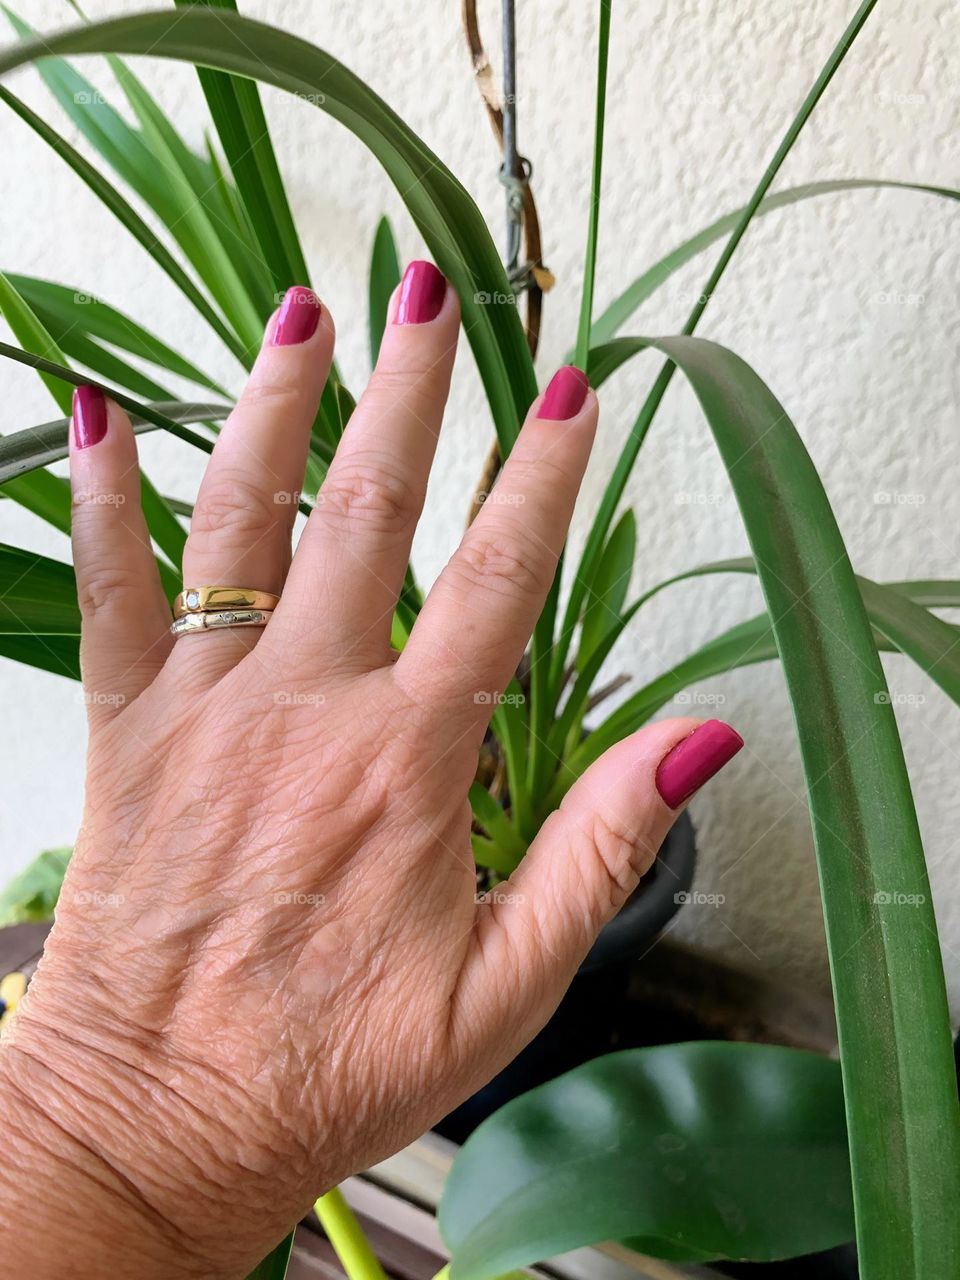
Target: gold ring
pixel 202 599
pixel 212 619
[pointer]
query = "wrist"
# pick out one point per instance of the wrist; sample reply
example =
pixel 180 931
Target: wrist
pixel 114 1165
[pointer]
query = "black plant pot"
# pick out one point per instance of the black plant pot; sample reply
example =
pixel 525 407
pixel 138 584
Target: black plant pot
pixel 586 1022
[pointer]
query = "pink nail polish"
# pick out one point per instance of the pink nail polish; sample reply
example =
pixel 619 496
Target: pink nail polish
pixel 298 318
pixel 89 416
pixel 695 760
pixel 565 394
pixel 422 291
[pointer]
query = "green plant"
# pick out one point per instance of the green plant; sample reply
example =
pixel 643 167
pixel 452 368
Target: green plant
pixel 232 246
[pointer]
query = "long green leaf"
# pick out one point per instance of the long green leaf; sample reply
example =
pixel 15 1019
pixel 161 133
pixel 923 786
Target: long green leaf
pixel 39 446
pixel 64 310
pixel 544 680
pixel 209 241
pixel 623 306
pixel 131 220
pixel 446 216
pixel 617 483
pixel 901 1098
pixel 384 278
pixel 237 113
pixel 691 1152
pixel 608 591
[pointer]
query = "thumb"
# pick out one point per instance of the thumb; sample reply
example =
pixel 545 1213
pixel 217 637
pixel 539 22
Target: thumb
pixel 585 862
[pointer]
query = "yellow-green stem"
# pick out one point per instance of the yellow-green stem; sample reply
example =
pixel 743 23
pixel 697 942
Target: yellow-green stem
pixel 346 1235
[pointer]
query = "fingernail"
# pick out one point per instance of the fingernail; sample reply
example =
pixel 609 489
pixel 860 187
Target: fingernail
pixel 298 318
pixel 565 395
pixel 89 416
pixel 422 291
pixel 695 760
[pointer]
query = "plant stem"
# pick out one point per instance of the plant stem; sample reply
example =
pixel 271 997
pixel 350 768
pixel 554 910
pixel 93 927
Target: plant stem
pixel 346 1235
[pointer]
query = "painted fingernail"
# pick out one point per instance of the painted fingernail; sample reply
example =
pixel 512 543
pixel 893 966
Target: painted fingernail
pixel 695 760
pixel 565 395
pixel 298 318
pixel 422 291
pixel 89 416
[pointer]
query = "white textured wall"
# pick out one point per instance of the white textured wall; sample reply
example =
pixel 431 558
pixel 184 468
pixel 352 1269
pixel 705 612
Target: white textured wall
pixel 700 94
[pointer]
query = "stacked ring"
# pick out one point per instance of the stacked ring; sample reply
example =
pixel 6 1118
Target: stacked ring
pixel 214 618
pixel 205 599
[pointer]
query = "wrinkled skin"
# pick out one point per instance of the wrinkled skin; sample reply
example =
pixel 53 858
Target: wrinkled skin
pixel 269 967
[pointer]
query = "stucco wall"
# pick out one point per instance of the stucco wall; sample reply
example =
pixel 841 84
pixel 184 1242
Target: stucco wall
pixel 845 305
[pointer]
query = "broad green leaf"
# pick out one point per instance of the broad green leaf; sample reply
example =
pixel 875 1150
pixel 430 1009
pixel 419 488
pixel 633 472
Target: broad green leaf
pixel 39 615
pixel 448 219
pixel 384 278
pixel 37 595
pixel 703 1150
pixel 31 895
pixel 608 591
pixel 60 655
pixel 275 1264
pixel 65 311
pixel 621 473
pixel 131 220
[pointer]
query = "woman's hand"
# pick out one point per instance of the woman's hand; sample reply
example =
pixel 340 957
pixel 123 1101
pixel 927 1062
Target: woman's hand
pixel 269 966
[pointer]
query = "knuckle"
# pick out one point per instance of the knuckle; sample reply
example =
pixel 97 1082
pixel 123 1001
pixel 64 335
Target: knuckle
pixel 273 393
pixel 234 507
pixel 504 562
pixel 104 587
pixel 418 376
pixel 621 857
pixel 367 490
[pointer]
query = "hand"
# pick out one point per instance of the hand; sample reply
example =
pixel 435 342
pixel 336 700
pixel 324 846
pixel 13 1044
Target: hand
pixel 269 968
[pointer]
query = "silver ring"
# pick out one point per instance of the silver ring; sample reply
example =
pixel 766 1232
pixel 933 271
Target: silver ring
pixel 218 618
